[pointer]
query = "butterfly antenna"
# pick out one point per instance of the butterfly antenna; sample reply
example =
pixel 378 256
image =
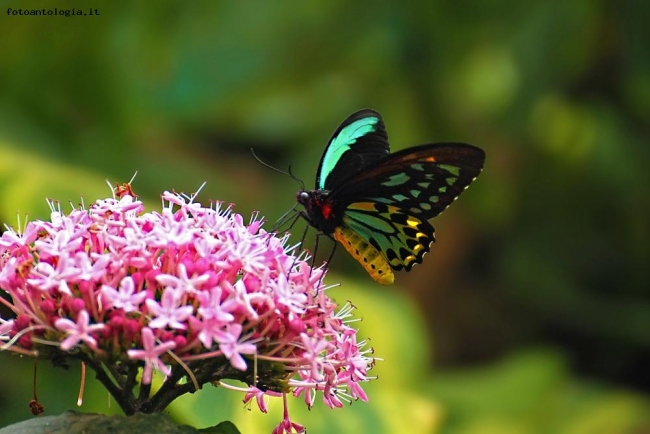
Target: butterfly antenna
pixel 302 184
pixel 288 173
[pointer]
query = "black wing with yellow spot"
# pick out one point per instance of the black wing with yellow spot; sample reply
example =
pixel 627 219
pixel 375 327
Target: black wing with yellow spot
pixel 422 181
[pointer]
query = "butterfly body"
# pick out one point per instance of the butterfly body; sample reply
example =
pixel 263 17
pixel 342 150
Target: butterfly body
pixel 377 204
pixel 320 211
pixel 327 216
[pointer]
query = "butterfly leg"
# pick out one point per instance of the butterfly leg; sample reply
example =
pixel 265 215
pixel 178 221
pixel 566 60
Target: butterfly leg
pixel 313 258
pixel 329 258
pixel 327 264
pixel 286 218
pixel 302 243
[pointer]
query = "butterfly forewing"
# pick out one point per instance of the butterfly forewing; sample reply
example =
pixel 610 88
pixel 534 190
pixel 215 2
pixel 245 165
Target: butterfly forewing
pixel 422 181
pixel 360 140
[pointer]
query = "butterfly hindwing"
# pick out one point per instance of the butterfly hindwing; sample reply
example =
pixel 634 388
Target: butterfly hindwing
pixel 367 255
pixel 360 140
pixel 401 238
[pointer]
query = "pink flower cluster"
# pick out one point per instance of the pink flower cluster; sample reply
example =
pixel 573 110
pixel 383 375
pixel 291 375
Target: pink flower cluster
pixel 183 291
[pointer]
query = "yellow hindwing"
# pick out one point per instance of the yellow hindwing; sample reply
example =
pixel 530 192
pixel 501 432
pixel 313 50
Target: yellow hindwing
pixel 366 255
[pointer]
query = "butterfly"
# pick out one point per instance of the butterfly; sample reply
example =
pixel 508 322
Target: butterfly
pixel 377 204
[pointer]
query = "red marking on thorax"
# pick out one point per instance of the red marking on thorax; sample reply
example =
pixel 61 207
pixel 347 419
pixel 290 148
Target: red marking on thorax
pixel 326 210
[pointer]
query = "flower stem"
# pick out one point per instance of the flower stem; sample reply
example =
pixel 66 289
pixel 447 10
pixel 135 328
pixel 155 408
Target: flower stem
pixel 124 397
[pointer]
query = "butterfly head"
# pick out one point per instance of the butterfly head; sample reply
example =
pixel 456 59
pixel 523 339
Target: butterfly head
pixel 319 211
pixel 304 198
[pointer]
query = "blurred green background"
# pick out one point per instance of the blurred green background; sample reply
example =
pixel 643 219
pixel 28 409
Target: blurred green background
pixel 532 312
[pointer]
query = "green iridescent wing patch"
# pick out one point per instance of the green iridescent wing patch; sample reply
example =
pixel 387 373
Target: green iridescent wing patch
pixel 360 140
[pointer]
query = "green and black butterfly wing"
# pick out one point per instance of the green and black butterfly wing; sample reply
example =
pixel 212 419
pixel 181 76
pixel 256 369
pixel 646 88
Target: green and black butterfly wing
pixel 377 204
pixel 422 180
pixel 389 202
pixel 360 140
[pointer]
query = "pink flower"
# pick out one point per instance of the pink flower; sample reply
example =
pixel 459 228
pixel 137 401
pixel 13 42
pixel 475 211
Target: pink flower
pixel 61 243
pixel 260 395
pixel 46 277
pixel 232 349
pixel 287 294
pixel 79 331
pixel 286 426
pixel 90 267
pixel 126 298
pixel 191 291
pixel 12 239
pixel 151 355
pixel 314 350
pixel 5 327
pixel 168 313
pixel 216 307
pixel 183 282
